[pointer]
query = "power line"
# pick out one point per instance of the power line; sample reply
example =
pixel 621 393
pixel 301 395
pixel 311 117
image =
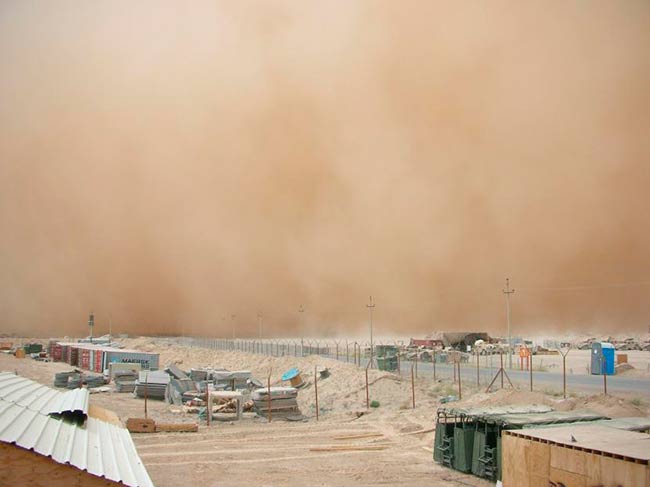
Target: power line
pixel 587 287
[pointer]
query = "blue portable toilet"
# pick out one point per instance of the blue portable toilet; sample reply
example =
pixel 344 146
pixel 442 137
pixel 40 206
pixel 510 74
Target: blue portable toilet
pixel 602 358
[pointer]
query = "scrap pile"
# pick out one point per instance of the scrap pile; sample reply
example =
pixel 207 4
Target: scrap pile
pixel 283 402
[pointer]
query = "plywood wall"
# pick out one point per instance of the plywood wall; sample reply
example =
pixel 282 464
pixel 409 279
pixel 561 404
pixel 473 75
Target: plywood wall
pixel 24 467
pixel 528 463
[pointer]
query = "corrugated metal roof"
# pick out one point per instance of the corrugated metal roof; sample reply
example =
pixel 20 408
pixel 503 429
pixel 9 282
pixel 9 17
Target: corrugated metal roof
pixel 40 398
pixel 100 448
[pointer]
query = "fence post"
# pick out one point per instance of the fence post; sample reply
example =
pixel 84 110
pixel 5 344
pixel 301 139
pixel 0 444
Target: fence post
pixel 413 386
pixel 367 391
pixel 316 388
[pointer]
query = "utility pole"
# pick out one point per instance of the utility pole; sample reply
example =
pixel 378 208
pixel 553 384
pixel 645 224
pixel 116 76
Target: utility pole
pixel 370 307
pixel 91 324
pixel 507 291
pixel 301 310
pixel 110 327
pixel 259 324
pixel 232 323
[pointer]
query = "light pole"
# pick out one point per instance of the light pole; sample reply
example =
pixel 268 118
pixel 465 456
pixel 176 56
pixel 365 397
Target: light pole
pixel 232 323
pixel 259 324
pixel 507 291
pixel 370 307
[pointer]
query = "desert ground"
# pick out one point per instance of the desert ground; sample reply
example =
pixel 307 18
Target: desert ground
pixel 280 453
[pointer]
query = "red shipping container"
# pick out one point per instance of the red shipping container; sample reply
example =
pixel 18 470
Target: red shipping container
pixel 57 352
pixel 99 356
pixel 85 359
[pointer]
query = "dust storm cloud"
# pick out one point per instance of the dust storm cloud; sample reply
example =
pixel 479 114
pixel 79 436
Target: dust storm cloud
pixel 172 164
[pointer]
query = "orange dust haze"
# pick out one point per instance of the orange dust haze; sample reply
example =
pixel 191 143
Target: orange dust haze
pixel 171 164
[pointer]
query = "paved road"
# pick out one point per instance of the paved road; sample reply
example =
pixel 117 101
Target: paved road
pixel 544 381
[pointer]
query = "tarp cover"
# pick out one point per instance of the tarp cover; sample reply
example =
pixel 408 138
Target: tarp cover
pixel 520 416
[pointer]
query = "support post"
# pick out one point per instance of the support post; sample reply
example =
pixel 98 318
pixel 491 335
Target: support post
pixel 367 388
pixel 413 386
pixel 530 366
pixel 268 384
pixel 501 356
pixel 146 382
pixel 416 363
pixel 316 388
pixel 434 366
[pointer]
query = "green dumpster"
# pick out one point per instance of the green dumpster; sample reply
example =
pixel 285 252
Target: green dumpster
pixel 387 357
pixel 463 445
pixel 443 444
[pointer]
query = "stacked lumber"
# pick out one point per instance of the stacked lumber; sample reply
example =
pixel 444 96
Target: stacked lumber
pixel 61 378
pixel 94 380
pixel 154 383
pixel 283 403
pixel 125 381
pixel 231 379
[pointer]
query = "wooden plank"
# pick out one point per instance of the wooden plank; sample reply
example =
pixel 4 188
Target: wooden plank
pixel 178 427
pixel 419 432
pixel 141 425
pixel 350 448
pixel 361 435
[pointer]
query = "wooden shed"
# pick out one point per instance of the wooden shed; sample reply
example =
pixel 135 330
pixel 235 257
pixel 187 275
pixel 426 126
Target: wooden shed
pixel 575 456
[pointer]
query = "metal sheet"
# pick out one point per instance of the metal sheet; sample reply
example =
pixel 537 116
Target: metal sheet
pixel 100 448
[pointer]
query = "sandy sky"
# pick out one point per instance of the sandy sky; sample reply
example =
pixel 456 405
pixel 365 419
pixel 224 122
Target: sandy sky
pixel 172 164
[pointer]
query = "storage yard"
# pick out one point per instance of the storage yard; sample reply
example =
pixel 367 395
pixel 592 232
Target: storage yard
pixel 349 443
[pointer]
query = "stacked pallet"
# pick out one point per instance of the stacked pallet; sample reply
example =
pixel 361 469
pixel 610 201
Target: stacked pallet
pixel 125 381
pixel 61 378
pixel 283 403
pixel 231 379
pixel 154 383
pixel 94 380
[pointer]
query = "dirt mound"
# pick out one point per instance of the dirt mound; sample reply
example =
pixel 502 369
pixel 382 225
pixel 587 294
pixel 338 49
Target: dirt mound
pixel 613 407
pixel 504 397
